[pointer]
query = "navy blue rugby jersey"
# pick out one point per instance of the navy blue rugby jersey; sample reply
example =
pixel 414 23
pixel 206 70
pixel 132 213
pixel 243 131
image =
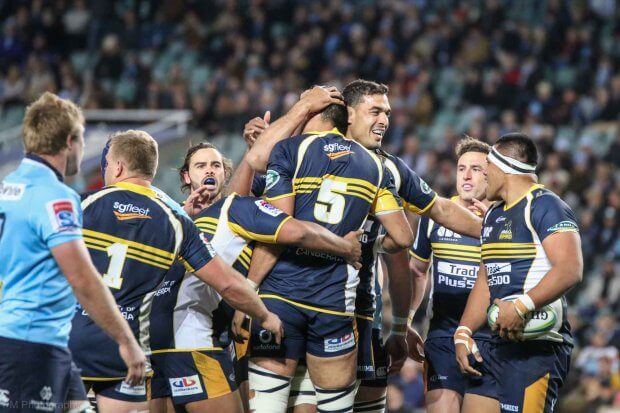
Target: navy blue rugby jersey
pixel 134 239
pixel 336 183
pixel 417 197
pixel 454 269
pixel 189 314
pixel 512 250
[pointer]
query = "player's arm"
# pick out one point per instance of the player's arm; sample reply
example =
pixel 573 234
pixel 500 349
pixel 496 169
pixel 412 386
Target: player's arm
pixel 75 263
pixel 311 101
pixel 473 318
pixel 453 216
pixel 387 209
pixel 563 251
pixel 236 291
pixel 241 181
pixel 420 254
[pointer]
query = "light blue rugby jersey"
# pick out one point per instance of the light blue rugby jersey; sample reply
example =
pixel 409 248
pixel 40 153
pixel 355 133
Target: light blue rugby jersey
pixel 37 213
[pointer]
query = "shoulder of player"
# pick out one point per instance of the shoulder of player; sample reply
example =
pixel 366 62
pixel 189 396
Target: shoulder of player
pixel 212 211
pixel 545 198
pixel 52 190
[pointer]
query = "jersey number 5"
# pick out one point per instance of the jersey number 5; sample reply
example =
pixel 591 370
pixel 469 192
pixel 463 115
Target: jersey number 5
pixel 330 202
pixel 117 253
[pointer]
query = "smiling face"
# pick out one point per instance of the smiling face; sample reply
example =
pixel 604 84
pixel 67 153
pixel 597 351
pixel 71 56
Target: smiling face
pixel 471 176
pixel 206 167
pixel 369 120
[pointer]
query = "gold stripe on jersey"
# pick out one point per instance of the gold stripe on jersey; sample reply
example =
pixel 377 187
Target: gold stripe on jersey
pixel 207 227
pixel 253 236
pixel 131 244
pixel 207 221
pixel 185 350
pixel 417 257
pixel 129 255
pixel 130 250
pixel 417 210
pixel 384 202
pixel 447 246
pixel 470 253
pixel 508 245
pixel 504 250
pixel 355 187
pixel 308 307
pixel 186 264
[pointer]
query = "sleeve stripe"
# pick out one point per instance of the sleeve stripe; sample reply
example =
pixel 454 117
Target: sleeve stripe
pixel 275 198
pixel 417 210
pixel 280 227
pixel 416 256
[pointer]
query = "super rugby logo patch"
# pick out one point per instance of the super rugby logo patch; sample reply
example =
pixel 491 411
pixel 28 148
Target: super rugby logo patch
pixel 62 215
pixel 267 208
pixel 271 178
pixel 333 345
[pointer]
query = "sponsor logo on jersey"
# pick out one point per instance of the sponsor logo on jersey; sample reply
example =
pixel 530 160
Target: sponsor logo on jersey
pixel 437 377
pixel 500 219
pixel 45 404
pixel 267 208
pixel 124 212
pixel 336 150
pixel 446 233
pixel 271 178
pixel 333 345
pixel 498 268
pixel 506 232
pixel 486 231
pixel 564 226
pixel 424 186
pixel 185 386
pixel 266 341
pixel 124 388
pixel 470 271
pixel 62 215
pixel 509 407
pixel 11 192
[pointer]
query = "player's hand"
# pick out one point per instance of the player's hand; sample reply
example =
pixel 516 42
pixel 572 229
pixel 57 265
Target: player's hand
pixel 509 323
pixel 465 345
pixel 135 360
pixel 478 207
pixel 254 128
pixel 239 330
pixel 354 255
pixel 416 345
pixel 397 350
pixel 197 200
pixel 273 324
pixel 319 97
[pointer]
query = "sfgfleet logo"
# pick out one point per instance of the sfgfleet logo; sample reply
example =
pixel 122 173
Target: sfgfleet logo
pixel 332 345
pixel 130 211
pixel 185 386
pixel 336 147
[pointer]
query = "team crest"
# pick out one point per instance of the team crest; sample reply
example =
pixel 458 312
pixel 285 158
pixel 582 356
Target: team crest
pixel 506 232
pixel 271 178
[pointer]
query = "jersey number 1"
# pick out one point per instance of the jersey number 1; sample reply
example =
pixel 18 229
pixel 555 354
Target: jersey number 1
pixel 329 207
pixel 117 253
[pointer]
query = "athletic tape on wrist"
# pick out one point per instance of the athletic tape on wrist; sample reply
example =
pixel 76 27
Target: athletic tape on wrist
pixel 253 284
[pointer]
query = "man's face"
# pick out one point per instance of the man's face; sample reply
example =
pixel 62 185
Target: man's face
pixel 75 154
pixel 206 166
pixel 471 176
pixel 495 182
pixel 369 120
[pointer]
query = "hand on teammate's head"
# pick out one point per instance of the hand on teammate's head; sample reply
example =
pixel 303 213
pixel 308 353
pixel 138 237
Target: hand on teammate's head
pixel 319 97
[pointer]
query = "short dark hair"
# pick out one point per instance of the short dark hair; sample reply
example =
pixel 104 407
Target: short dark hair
pixel 338 116
pixel 519 146
pixel 354 91
pixel 469 144
pixel 227 163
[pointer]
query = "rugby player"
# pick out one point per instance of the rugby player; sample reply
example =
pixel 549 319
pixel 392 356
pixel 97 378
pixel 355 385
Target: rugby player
pixel 134 238
pixel 326 178
pixel 531 253
pixel 44 258
pixel 198 320
pixel 369 112
pixel 455 263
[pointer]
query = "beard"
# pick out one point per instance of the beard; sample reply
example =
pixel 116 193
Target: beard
pixel 73 166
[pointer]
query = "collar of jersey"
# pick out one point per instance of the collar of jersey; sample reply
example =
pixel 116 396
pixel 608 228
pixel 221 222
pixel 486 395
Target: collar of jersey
pixel 532 188
pixel 42 161
pixel 325 132
pixel 139 189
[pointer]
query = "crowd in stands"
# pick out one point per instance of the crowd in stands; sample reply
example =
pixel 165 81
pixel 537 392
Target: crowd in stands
pixel 550 68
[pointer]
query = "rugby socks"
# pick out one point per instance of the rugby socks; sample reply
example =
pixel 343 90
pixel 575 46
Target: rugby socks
pixel 268 391
pixel 337 400
pixel 370 406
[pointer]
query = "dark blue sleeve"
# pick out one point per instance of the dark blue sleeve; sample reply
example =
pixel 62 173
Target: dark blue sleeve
pixel 421 248
pixel 280 170
pixel 417 196
pixel 550 215
pixel 258 185
pixel 256 219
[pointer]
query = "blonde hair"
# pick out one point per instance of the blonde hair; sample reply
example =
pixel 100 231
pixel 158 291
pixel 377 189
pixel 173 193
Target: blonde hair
pixel 469 144
pixel 138 149
pixel 48 122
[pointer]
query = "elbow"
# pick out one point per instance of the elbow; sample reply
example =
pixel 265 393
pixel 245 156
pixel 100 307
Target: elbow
pixel 405 241
pixel 256 163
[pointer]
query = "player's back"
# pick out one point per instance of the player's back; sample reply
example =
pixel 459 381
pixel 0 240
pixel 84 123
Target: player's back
pixel 336 183
pixel 133 239
pixel 37 213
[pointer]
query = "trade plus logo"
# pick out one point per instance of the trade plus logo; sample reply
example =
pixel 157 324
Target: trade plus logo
pixel 184 386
